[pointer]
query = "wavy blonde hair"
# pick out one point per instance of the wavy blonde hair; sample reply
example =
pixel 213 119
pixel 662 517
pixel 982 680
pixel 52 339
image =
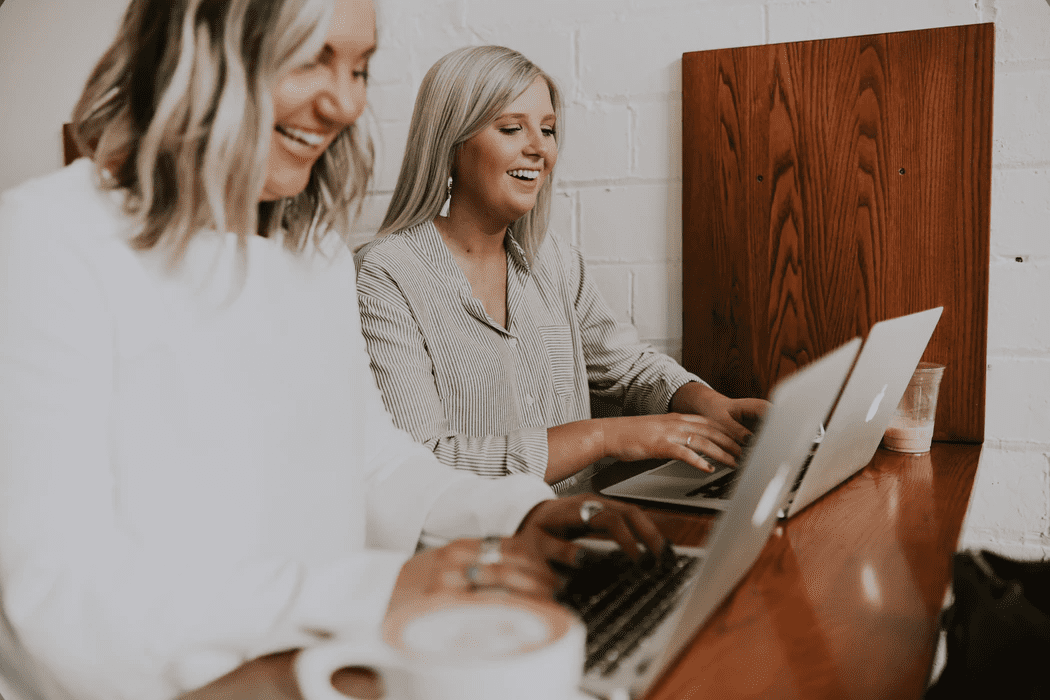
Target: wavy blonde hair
pixel 460 95
pixel 179 112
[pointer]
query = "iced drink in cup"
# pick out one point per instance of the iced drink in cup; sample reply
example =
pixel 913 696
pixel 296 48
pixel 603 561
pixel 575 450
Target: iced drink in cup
pixel 911 429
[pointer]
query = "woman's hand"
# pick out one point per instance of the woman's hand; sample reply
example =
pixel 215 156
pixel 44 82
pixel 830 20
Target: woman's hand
pixel 683 436
pixel 734 419
pixel 444 571
pixel 550 526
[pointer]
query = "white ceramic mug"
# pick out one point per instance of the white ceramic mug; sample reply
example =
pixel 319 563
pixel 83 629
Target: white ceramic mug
pixel 474 647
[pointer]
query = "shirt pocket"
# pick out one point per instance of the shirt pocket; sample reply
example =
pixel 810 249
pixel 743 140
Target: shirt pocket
pixel 558 345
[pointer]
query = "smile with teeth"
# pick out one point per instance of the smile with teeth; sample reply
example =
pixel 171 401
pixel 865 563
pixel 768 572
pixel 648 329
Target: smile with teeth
pixel 308 138
pixel 524 174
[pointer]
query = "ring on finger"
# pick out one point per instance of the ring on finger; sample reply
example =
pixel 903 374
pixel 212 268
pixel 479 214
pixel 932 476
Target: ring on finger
pixel 589 509
pixel 489 551
pixel 689 441
pixel 473 574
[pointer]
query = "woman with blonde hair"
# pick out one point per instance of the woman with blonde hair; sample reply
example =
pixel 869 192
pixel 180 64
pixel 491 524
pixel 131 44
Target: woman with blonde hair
pixel 195 465
pixel 487 336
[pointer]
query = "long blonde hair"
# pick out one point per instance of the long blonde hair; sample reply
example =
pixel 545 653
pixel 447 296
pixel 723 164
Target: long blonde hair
pixel 179 111
pixel 460 95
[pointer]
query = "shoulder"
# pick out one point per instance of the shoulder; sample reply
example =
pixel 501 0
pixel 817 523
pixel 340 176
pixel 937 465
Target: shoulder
pixel 557 257
pixel 388 251
pixel 68 204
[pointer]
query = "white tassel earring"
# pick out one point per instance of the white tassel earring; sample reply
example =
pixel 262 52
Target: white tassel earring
pixel 448 199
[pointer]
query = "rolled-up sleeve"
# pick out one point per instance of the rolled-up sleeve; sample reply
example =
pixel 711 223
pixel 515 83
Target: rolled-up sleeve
pixel 620 368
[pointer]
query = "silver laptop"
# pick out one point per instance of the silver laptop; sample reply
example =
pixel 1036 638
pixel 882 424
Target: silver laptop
pixel 862 413
pixel 890 355
pixel 622 662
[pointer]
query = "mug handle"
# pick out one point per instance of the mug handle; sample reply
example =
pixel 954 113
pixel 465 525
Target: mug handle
pixel 314 667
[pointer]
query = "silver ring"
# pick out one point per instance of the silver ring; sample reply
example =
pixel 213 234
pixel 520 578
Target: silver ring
pixel 489 551
pixel 589 509
pixel 689 441
pixel 473 577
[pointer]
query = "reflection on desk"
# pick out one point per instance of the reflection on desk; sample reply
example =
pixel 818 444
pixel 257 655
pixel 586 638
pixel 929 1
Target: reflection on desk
pixel 842 603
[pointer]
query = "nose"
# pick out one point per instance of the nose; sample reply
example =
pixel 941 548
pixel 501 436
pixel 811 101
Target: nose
pixel 345 98
pixel 538 144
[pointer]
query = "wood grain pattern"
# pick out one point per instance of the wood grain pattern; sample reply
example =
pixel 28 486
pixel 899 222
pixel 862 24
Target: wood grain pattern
pixel 831 184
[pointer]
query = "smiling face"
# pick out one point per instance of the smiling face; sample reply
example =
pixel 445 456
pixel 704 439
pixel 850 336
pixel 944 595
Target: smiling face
pixel 499 171
pixel 313 103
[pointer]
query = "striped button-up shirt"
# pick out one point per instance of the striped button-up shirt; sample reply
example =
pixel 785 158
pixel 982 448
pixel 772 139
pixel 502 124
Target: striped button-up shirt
pixel 482 396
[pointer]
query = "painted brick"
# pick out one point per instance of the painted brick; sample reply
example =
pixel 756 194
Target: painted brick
pixel 641 223
pixel 49 50
pixel 1022 30
pixel 372 212
pixel 1011 495
pixel 657 311
pixel 391 101
pixel 1022 103
pixel 1018 399
pixel 546 43
pixel 595 142
pixel 498 12
pixel 614 282
pixel 657 139
pixel 390 140
pixel 392 15
pixel 667 346
pixel 1017 326
pixel 833 18
pixel 1021 213
pixel 563 215
pixel 642 55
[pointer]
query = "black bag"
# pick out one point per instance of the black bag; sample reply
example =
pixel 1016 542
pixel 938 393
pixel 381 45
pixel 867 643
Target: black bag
pixel 997 630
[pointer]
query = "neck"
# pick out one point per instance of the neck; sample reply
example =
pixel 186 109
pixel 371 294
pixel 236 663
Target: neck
pixel 472 236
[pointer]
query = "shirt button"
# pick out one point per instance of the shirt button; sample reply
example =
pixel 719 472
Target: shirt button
pixel 529 400
pixel 513 342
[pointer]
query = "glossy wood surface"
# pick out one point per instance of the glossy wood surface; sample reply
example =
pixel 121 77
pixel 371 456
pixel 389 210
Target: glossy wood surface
pixel 842 602
pixel 844 599
pixel 831 184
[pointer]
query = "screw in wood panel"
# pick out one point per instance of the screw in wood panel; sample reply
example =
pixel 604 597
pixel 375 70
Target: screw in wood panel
pixel 901 171
pixel 760 178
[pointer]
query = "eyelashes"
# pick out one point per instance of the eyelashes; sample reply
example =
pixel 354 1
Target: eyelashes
pixel 546 131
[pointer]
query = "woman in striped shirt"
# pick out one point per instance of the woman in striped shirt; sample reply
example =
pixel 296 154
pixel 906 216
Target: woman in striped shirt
pixel 486 333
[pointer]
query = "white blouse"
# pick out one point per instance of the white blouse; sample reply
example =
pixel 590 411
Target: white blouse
pixel 195 466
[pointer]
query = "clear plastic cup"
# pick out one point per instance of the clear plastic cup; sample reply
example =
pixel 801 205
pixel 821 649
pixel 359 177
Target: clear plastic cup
pixel 911 429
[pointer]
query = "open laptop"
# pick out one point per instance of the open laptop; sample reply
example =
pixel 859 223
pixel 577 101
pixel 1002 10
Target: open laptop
pixel 627 650
pixel 879 378
pixel 891 352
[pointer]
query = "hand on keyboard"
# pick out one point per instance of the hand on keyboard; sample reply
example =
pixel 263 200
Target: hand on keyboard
pixel 550 526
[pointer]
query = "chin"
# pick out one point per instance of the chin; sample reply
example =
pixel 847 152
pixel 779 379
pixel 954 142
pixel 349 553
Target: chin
pixel 285 185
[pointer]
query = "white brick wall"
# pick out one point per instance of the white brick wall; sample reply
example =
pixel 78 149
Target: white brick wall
pixel 618 63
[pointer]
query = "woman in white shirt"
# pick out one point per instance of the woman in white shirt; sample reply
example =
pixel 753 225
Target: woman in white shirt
pixel 195 465
pixel 487 335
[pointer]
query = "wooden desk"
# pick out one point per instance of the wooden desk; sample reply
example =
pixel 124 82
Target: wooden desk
pixel 842 603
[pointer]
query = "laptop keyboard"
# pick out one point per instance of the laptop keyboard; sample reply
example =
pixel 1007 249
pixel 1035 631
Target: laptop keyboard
pixel 621 603
pixel 719 488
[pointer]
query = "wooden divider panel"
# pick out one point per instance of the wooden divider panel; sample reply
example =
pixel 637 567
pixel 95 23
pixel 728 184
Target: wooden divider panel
pixel 831 184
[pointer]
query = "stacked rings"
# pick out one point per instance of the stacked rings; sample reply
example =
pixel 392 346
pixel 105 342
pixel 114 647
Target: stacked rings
pixel 589 509
pixel 488 554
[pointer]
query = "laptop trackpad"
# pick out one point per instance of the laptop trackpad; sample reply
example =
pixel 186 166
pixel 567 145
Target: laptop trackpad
pixel 681 470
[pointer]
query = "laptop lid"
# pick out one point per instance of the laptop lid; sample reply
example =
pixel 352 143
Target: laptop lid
pixel 780 447
pixel 867 404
